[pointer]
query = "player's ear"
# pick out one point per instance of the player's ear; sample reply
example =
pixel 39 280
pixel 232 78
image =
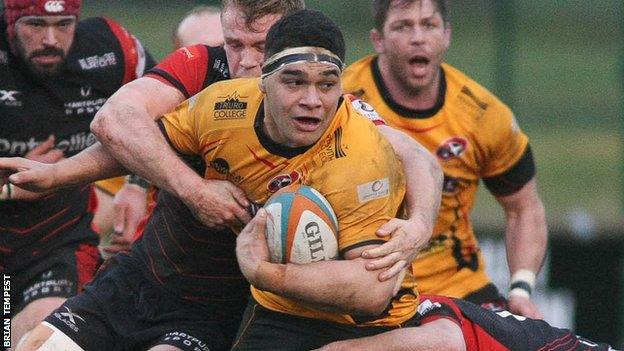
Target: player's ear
pixel 376 38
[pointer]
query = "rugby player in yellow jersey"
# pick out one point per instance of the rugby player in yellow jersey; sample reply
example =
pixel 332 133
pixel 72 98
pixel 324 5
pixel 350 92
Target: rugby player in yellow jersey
pixel 253 133
pixel 473 135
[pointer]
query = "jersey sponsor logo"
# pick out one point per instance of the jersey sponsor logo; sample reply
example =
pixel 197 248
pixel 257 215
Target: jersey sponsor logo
pixel 9 98
pixel 331 147
pixel 190 342
pixel 54 6
pixel 366 110
pixel 221 166
pixel 451 148
pixel 48 287
pixel 69 318
pixel 74 143
pixel 221 67
pixel 230 108
pixel 4 57
pixel 88 107
pixel 282 180
pixel 373 190
pixel 98 61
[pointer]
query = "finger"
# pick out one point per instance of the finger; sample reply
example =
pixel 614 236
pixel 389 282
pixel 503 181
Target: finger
pixel 113 249
pixel 25 177
pixel 239 195
pixel 397 286
pixel 388 228
pixel 119 216
pixel 384 262
pixel 43 147
pixel 383 250
pixel 15 164
pixel 389 273
pixel 53 156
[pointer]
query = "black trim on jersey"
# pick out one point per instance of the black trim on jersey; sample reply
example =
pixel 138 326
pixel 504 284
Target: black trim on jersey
pixel 402 110
pixel 273 147
pixel 176 83
pixel 360 244
pixel 514 178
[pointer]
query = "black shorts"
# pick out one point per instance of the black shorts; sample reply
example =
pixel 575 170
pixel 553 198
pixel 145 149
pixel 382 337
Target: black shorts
pixel 489 298
pixel 124 309
pixel 62 272
pixel 263 329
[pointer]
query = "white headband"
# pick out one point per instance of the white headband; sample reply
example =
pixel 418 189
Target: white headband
pixel 300 54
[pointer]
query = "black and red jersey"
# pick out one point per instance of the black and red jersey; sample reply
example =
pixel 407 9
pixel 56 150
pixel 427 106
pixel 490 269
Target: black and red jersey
pixel 103 57
pixel 484 330
pixel 190 69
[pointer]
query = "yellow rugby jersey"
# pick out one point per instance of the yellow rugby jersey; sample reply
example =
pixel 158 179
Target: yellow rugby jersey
pixel 223 124
pixel 473 135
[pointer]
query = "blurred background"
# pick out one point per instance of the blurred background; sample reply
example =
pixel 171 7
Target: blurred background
pixel 558 64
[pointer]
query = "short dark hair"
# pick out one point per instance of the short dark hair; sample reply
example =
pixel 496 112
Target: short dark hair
pixel 255 9
pixel 305 28
pixel 381 7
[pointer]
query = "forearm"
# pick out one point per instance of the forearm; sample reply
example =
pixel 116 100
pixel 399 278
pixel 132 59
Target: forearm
pixel 526 238
pixel 342 286
pixel 92 164
pixel 129 132
pixel 424 176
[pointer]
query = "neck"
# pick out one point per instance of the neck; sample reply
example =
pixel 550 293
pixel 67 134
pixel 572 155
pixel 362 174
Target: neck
pixel 416 99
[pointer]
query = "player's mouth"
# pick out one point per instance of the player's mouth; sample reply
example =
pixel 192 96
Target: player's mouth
pixel 419 62
pixel 47 60
pixel 307 123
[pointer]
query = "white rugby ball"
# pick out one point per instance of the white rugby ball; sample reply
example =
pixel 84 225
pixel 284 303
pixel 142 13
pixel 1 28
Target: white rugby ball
pixel 301 226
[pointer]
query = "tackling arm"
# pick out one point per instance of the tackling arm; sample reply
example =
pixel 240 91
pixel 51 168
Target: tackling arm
pixel 424 179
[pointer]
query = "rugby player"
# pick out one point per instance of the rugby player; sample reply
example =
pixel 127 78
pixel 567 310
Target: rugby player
pixel 474 137
pixel 179 286
pixel 55 73
pixel 186 72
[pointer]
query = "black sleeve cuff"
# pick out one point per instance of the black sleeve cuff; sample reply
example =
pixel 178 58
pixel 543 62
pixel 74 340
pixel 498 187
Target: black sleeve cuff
pixel 515 178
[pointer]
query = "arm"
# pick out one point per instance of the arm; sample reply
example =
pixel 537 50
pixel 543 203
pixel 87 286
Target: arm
pixel 91 164
pixel 132 110
pixel 343 286
pixel 424 190
pixel 526 238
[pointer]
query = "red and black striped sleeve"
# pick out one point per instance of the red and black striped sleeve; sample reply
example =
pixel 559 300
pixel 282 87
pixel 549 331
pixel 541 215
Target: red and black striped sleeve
pixel 136 59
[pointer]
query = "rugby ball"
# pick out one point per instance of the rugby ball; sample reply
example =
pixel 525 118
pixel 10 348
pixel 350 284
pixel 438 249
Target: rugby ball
pixel 301 226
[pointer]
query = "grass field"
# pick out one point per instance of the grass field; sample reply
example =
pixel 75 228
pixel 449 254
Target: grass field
pixel 567 91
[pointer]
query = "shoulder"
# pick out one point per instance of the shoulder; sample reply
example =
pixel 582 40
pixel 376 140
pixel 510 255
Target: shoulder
pixel 471 93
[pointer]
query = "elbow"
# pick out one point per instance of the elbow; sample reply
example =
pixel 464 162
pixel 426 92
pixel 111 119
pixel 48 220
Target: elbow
pixel 100 125
pixel 375 300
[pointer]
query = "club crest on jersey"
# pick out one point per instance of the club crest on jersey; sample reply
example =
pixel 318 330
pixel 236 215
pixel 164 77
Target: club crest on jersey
pixel 282 180
pixel 54 6
pixel 452 147
pixel 230 108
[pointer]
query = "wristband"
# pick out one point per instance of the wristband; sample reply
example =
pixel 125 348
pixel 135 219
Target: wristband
pixel 136 180
pixel 522 283
pixel 7 189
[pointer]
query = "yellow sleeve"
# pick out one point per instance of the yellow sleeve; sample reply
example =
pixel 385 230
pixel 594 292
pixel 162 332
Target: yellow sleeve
pixel 504 141
pixel 181 127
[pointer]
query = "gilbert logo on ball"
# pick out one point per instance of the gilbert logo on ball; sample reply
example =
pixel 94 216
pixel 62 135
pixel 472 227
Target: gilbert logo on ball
pixel 54 6
pixel 301 226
